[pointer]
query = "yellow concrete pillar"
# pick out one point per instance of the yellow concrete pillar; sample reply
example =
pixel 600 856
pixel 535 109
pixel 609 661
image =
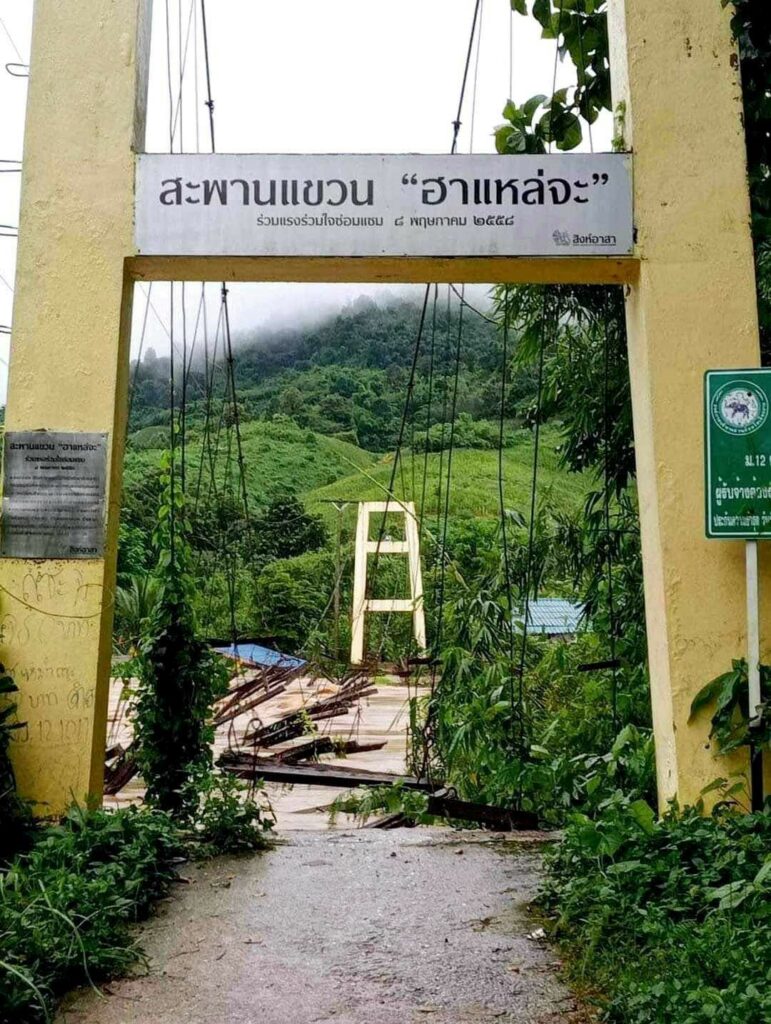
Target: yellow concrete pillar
pixel 693 307
pixel 69 365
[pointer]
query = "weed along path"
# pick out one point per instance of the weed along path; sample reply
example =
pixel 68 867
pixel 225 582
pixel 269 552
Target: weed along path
pixel 347 927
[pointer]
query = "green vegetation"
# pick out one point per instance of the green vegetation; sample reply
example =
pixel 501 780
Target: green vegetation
pixel 668 918
pixel 14 814
pixel 269 555
pixel 66 906
pixel 178 675
pixel 660 921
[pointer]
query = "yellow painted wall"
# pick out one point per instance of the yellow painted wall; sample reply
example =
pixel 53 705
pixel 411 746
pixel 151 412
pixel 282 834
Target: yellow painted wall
pixel 692 309
pixel 69 366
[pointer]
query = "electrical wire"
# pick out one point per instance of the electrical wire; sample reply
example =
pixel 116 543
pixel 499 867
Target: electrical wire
pixel 16 50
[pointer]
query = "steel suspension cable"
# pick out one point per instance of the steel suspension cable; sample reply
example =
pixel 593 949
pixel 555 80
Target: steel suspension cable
pixel 533 499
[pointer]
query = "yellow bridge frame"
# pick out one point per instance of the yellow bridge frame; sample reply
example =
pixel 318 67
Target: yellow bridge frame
pixel 690 301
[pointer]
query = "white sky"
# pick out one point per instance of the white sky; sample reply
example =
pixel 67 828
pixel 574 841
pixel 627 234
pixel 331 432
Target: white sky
pixel 304 76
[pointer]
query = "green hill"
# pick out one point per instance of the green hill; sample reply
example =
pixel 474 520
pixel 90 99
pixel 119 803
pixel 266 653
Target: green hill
pixel 279 457
pixel 474 485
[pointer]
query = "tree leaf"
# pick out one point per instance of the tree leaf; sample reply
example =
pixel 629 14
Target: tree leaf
pixel 532 105
pixel 644 815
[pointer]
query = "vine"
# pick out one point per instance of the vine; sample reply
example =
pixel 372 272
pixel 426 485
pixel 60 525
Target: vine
pixel 179 676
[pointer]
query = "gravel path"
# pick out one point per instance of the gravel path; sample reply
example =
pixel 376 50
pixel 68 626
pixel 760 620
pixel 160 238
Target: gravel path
pixel 365 927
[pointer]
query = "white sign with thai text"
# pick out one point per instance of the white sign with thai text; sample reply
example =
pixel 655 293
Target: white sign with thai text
pixel 485 205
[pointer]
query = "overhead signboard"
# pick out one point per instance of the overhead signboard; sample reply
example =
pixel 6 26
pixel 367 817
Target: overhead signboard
pixel 738 453
pixel 53 494
pixel 372 205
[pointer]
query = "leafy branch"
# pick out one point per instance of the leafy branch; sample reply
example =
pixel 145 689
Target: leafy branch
pixel 580 31
pixel 731 717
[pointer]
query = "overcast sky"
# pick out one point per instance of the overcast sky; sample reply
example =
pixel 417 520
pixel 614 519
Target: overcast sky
pixel 303 76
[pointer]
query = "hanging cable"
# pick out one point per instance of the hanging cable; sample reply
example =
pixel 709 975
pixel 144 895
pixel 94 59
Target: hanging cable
pixel 209 101
pixel 16 50
pixel 583 75
pixel 456 124
pixel 227 336
pixel 450 450
pixel 135 377
pixel 606 511
pixel 432 350
pixel 476 76
pixel 554 80
pixel 468 305
pixel 236 413
pixel 502 502
pixel 531 526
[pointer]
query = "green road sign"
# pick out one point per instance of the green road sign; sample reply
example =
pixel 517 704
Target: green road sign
pixel 737 438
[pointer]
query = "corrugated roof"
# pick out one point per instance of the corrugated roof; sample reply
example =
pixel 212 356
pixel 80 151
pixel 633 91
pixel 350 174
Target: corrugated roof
pixel 263 657
pixel 552 616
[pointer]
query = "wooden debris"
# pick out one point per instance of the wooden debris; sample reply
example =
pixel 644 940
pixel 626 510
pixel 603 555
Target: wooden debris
pixel 391 821
pixel 120 769
pixel 445 804
pixel 248 766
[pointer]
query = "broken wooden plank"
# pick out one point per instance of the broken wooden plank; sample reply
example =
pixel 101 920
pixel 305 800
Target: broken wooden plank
pixel 389 821
pixel 272 770
pixel 444 803
pixel 325 745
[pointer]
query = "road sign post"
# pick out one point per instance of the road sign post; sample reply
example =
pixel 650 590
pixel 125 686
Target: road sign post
pixel 738 500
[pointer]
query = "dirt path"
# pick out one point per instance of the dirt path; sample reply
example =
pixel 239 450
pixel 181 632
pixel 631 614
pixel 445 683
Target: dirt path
pixel 363 927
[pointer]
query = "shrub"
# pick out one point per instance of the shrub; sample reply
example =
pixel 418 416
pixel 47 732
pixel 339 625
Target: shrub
pixel 65 907
pixel 231 816
pixel 668 919
pixel 15 822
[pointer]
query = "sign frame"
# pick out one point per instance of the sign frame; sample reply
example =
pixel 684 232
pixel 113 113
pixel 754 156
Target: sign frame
pixel 740 440
pixel 45 514
pixel 563 206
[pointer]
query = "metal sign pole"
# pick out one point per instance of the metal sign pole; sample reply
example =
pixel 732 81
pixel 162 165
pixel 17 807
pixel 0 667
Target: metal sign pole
pixel 753 672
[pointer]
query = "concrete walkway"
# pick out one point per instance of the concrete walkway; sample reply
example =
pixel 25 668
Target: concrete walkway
pixel 363 927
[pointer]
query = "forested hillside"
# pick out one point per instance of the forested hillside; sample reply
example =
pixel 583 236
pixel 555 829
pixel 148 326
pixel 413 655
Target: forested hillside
pixel 347 376
pixel 319 414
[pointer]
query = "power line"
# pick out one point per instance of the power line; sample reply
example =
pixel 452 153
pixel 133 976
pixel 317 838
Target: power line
pixel 10 40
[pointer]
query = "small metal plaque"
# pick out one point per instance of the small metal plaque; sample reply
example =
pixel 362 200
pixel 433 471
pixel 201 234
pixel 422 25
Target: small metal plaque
pixel 53 495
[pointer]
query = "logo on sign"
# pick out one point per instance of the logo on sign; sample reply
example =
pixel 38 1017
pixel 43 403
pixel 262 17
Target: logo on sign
pixel 739 408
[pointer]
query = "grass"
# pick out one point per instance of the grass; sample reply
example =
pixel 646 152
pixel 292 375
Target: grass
pixel 281 457
pixel 666 920
pixel 474 487
pixel 278 457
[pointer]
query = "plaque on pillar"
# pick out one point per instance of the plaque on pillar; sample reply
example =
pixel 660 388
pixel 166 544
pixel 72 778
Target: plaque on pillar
pixel 53 494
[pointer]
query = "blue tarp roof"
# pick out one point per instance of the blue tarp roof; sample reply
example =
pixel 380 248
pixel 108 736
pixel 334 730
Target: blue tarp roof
pixel 552 616
pixel 264 657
